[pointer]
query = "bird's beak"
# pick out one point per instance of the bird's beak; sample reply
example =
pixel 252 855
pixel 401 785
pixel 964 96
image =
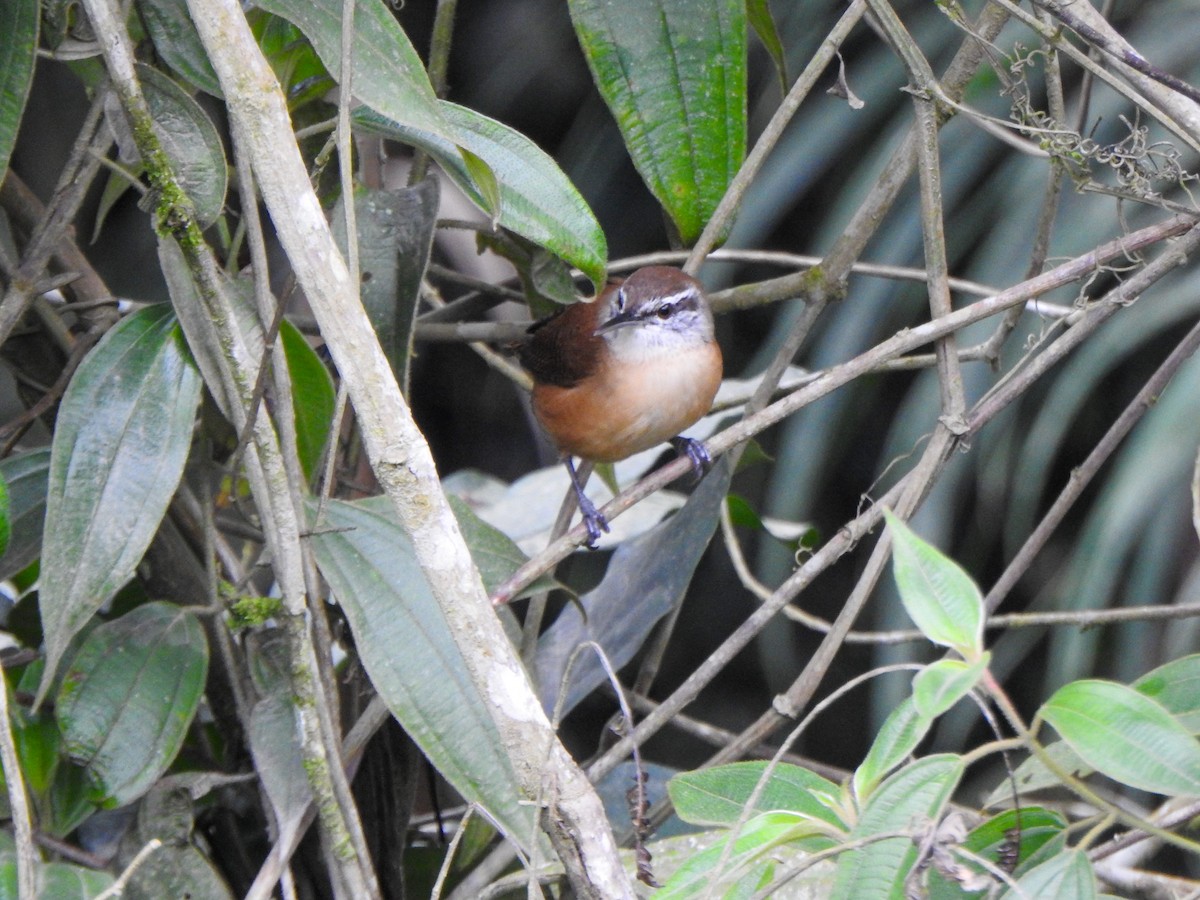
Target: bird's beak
pixel 623 318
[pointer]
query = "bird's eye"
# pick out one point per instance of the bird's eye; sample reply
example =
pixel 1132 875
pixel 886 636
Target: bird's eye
pixel 620 304
pixel 663 312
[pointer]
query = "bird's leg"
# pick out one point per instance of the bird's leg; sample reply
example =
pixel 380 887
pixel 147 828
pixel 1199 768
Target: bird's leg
pixel 593 519
pixel 696 453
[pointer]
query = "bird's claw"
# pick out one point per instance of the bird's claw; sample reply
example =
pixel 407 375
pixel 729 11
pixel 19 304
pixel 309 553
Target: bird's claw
pixel 593 520
pixel 696 453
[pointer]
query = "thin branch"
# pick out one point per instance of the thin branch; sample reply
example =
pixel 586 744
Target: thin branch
pixel 840 375
pixel 14 781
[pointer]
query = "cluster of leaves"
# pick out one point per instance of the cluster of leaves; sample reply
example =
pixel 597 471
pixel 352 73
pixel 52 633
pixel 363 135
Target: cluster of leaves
pixel 891 827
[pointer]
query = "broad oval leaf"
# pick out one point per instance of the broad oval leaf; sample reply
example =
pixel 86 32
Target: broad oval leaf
pixel 673 72
pixel 898 737
pixel 18 52
pixel 915 794
pixel 178 43
pixel 191 141
pixel 26 475
pixel 123 434
pixel 406 647
pixel 1066 876
pixel 1126 735
pixel 536 200
pixel 718 795
pixel 939 596
pixel 129 695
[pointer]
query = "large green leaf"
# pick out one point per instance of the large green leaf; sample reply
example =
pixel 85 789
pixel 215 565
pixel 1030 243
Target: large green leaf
pixel 26 475
pixel 673 72
pixel 536 200
pixel 1126 735
pixel 18 51
pixel 190 140
pixel 406 647
pixel 915 794
pixel 129 695
pixel 123 433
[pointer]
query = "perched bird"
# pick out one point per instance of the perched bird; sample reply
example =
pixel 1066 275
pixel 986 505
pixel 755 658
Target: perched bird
pixel 628 370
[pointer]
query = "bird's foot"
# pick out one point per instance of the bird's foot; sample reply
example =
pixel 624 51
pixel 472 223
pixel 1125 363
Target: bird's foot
pixel 696 453
pixel 593 520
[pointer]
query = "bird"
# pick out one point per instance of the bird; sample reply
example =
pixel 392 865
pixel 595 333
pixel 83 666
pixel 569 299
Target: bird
pixel 621 373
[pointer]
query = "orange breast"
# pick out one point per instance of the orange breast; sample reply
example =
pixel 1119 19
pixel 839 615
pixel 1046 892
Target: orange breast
pixel 622 410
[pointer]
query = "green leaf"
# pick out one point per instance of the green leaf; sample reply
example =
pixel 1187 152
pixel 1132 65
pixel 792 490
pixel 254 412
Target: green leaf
pixel 301 73
pixel 718 795
pixel 1065 876
pixel 178 43
pixel 898 737
pixel 1023 832
pixel 191 141
pixel 916 794
pixel 673 73
pixel 395 234
pixel 1125 735
pixel 407 650
pixel 760 835
pixel 128 697
pixel 313 398
pixel 18 52
pixel 941 684
pixel 1176 687
pixel 758 13
pixel 26 475
pixel 536 200
pixel 123 434
pixel 388 75
pixel 939 596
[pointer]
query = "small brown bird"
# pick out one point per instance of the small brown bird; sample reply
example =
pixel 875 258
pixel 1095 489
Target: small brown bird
pixel 626 371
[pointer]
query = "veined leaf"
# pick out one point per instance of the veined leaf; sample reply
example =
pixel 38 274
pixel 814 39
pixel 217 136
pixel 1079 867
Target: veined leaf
pixel 1126 735
pixel 129 695
pixel 718 795
pixel 536 200
pixel 939 596
pixel 123 434
pixel 673 72
pixel 407 649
